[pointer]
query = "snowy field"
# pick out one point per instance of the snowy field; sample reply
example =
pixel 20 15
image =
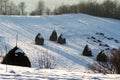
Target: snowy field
pixel 78 29
pixel 23 73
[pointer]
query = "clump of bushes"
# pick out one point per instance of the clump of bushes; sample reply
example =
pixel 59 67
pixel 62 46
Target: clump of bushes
pixel 46 61
pixel 107 64
pixel 115 60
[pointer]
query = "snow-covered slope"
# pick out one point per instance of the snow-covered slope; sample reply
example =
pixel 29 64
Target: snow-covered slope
pixel 78 29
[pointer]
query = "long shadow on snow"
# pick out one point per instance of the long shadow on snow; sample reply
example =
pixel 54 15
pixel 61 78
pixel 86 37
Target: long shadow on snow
pixel 73 47
pixel 78 60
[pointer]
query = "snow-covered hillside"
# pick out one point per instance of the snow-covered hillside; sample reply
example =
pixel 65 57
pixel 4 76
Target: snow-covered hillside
pixel 78 29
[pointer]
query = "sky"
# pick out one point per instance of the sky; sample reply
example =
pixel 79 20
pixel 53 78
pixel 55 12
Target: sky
pixel 49 3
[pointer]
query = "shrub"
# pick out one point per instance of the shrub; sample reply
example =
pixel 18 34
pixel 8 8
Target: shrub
pixel 39 40
pixel 16 57
pixel 87 51
pixel 102 67
pixel 53 36
pixel 46 61
pixel 115 60
pixel 112 66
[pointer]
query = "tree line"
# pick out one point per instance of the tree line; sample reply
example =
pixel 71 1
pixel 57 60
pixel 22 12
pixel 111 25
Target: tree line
pixel 10 8
pixel 108 8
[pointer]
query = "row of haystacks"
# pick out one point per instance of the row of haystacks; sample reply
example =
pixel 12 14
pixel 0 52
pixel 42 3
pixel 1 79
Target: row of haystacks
pixel 39 40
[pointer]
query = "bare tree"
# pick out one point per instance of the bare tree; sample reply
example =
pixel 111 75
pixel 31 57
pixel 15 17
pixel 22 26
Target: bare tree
pixel 39 8
pixel 55 12
pixel 1 6
pixel 5 6
pixel 48 11
pixel 22 7
pixel 11 8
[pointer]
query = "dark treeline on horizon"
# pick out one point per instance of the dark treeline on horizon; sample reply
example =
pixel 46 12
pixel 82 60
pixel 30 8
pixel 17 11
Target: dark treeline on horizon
pixel 108 8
